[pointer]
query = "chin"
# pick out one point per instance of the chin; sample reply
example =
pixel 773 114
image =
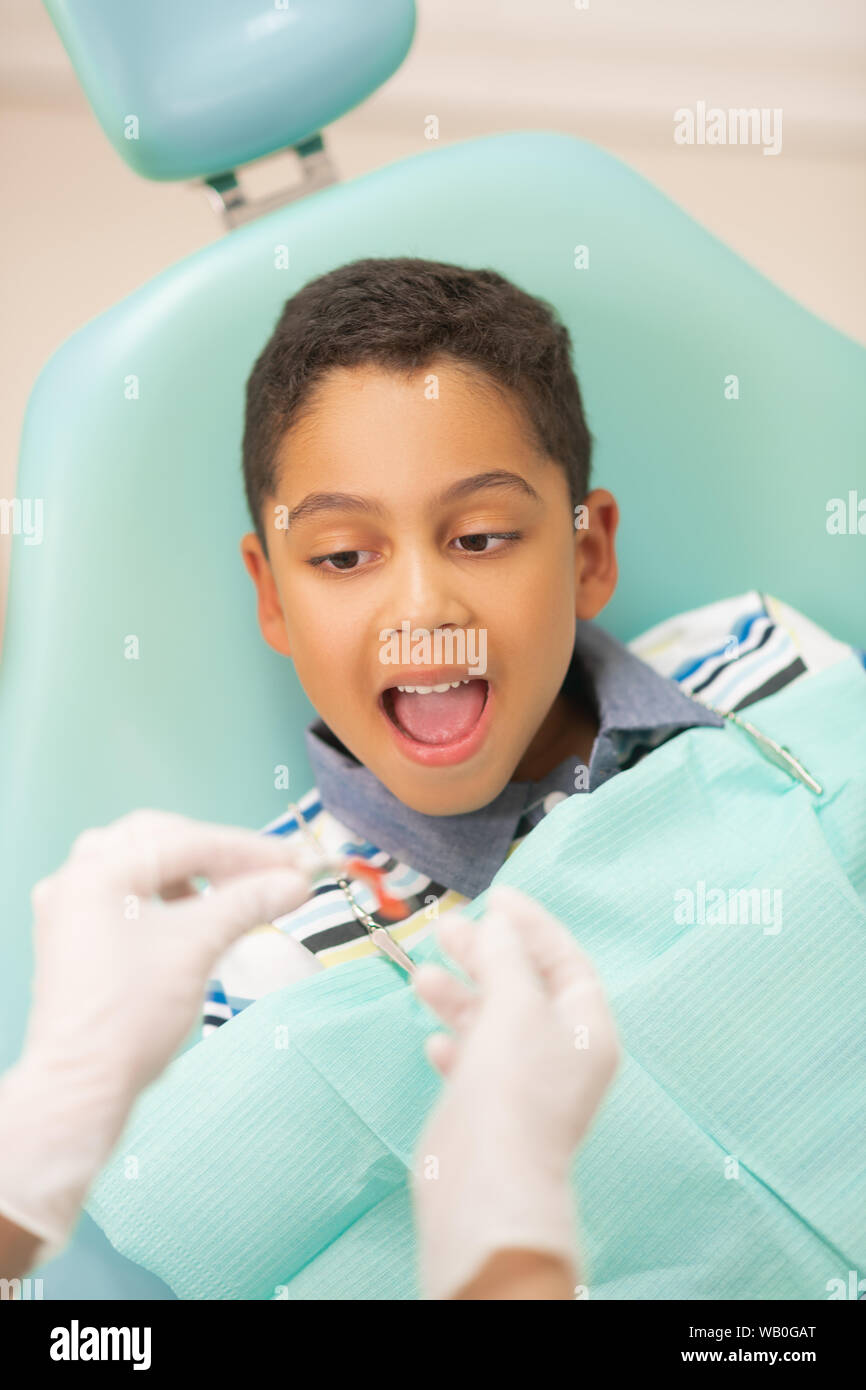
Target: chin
pixel 448 801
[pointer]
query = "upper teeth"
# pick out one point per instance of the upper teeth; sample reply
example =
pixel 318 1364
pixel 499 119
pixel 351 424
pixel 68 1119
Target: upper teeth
pixel 431 689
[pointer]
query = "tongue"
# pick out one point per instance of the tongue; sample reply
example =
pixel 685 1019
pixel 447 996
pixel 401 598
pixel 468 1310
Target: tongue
pixel 439 718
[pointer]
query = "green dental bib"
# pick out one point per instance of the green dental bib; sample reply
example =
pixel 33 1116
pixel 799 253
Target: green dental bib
pixel 724 905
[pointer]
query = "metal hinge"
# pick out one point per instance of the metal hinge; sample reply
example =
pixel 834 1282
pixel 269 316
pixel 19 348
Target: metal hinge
pixel 228 200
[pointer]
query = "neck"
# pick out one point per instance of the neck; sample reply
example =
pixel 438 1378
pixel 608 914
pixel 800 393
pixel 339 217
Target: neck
pixel 568 730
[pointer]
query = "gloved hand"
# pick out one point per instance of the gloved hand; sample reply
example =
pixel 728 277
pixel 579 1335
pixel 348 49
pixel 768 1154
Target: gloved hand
pixel 118 984
pixel 533 1051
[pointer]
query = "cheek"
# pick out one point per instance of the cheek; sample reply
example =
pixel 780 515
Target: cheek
pixel 541 622
pixel 327 642
pixel 543 603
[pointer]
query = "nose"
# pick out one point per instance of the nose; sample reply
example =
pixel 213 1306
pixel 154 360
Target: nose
pixel 425 591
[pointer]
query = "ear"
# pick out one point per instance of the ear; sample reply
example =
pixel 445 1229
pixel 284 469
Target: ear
pixel 270 611
pixel 596 571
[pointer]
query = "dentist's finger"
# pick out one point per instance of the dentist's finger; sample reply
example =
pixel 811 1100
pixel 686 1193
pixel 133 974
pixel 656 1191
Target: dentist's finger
pixel 452 1000
pixel 150 850
pixel 553 950
pixel 504 969
pixel 456 936
pixel 300 854
pixel 225 913
pixel 442 1052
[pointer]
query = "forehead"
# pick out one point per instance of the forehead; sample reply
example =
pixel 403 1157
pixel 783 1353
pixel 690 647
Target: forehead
pixel 384 432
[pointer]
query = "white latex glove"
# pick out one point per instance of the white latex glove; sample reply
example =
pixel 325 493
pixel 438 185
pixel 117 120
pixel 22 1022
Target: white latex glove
pixel 118 984
pixel 534 1050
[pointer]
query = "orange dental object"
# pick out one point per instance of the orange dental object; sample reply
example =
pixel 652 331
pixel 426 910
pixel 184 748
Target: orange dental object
pixel 393 908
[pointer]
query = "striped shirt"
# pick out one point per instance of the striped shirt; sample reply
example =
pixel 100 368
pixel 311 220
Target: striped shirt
pixel 685 672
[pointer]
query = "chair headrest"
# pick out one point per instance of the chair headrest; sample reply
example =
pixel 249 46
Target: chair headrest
pixel 185 91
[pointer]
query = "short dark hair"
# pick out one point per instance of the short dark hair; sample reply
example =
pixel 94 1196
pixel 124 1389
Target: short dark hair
pixel 399 313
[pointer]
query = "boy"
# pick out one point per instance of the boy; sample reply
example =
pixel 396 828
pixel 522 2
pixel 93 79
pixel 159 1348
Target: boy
pixel 417 466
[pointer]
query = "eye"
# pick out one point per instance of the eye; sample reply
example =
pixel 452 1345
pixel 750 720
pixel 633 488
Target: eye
pixel 476 544
pixel 340 561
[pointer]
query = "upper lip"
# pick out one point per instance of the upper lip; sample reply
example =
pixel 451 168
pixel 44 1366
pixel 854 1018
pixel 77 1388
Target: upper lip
pixel 426 675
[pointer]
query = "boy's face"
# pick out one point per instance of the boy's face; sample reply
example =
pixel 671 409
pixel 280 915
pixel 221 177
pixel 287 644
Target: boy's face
pixel 437 519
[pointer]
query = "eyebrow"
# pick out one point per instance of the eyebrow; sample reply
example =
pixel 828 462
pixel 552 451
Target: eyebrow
pixel 316 502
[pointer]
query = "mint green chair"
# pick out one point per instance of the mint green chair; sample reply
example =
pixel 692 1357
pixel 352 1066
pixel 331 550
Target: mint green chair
pixel 132 438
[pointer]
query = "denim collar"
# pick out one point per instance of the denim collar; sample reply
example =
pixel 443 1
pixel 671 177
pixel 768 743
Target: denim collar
pixel 637 709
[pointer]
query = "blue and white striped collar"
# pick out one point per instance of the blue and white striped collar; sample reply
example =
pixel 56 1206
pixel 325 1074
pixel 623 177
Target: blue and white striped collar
pixel 637 709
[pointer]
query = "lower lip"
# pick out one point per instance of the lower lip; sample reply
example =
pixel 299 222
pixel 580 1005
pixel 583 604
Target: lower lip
pixel 442 754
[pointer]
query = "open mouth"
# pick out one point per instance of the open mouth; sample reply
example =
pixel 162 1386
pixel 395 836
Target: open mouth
pixel 438 723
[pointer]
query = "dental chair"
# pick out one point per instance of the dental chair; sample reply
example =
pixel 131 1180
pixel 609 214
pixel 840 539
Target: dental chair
pixel 726 419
